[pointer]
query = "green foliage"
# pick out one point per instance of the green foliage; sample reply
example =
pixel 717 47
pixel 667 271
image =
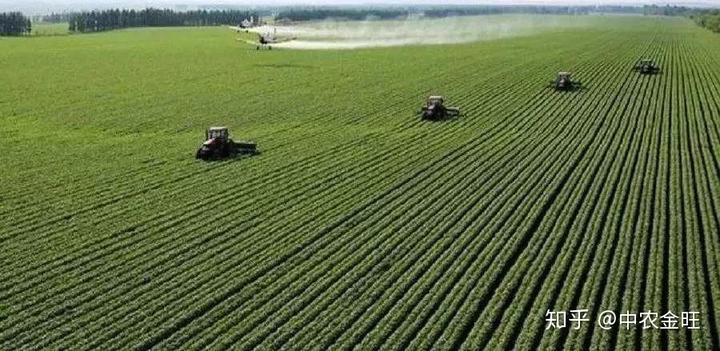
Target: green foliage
pixel 359 225
pixel 14 24
pixel 363 12
pixel 98 21
pixel 708 18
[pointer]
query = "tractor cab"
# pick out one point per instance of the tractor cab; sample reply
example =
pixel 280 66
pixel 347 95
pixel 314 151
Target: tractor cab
pixel 564 81
pixel 435 100
pixel 220 133
pixel 435 109
pixel 647 66
pixel 564 78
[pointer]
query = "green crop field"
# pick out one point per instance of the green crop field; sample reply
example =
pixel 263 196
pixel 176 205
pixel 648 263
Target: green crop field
pixel 359 226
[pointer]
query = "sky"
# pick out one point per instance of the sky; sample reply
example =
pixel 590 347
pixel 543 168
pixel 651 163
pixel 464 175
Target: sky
pixel 45 6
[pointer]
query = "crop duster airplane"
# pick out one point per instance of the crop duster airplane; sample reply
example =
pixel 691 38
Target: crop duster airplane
pixel 266 40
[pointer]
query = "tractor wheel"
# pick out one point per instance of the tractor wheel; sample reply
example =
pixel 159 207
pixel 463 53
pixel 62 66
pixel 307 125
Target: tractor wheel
pixel 269 47
pixel 219 153
pixel 202 154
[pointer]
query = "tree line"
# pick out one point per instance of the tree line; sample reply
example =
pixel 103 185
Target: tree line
pixel 98 21
pixel 506 9
pixel 310 14
pixel 64 17
pixel 707 18
pixel 437 11
pixel 14 24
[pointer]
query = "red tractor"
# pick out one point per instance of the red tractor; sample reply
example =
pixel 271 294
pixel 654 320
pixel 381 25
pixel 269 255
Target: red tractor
pixel 218 145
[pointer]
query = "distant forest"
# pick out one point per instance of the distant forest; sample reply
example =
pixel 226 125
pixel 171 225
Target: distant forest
pixel 360 13
pixel 103 20
pixel 708 18
pixel 98 21
pixel 14 24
